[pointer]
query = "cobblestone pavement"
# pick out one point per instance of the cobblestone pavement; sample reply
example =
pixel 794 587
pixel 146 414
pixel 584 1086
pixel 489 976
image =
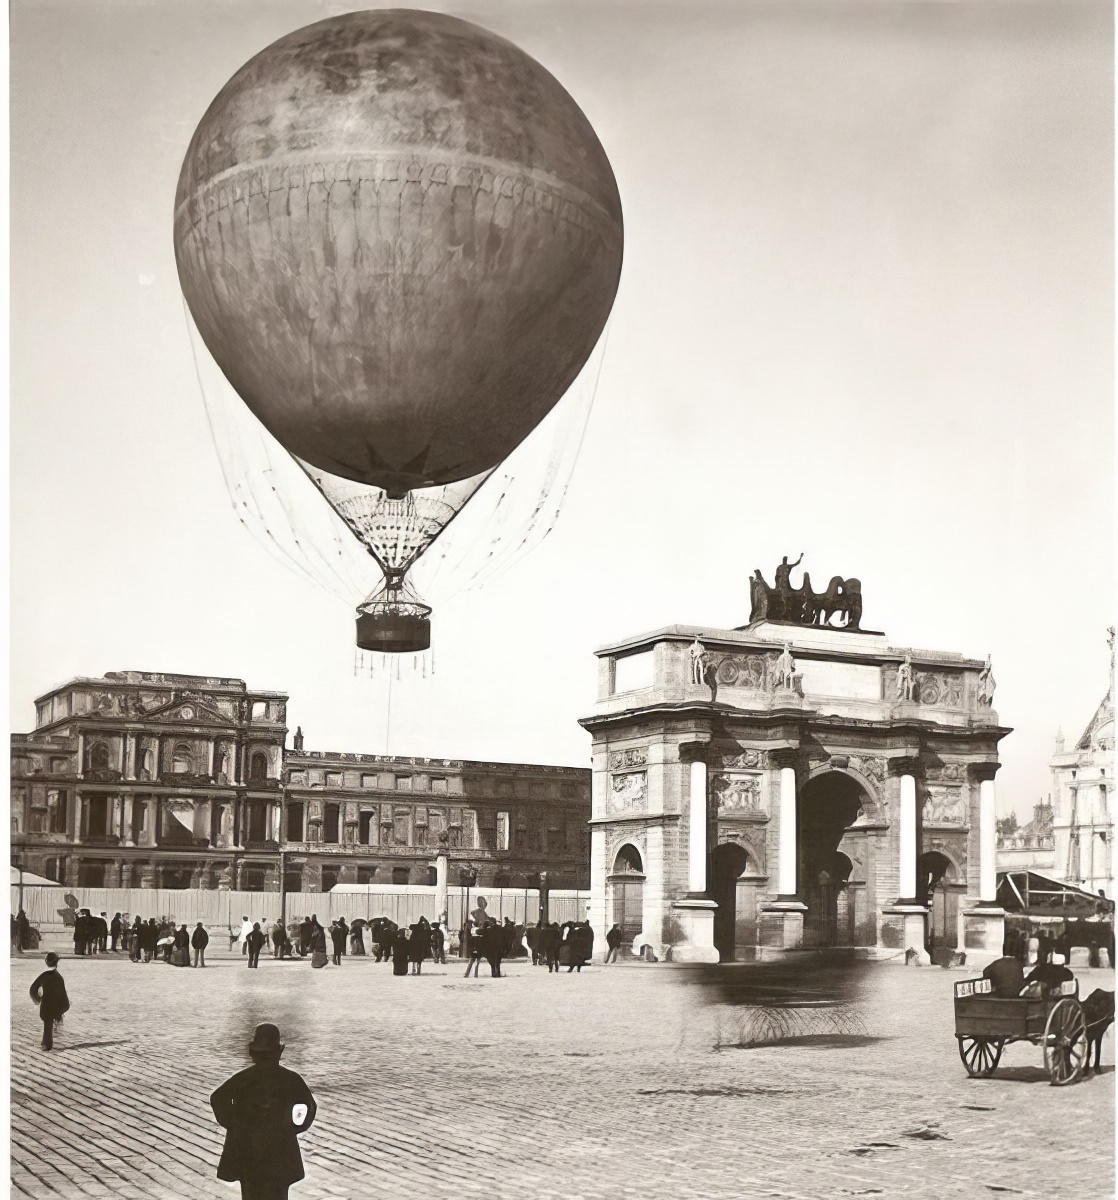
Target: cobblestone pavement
pixel 599 1084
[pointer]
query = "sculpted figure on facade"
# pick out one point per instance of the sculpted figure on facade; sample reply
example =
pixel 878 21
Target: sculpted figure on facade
pixel 740 793
pixel 785 671
pixel 906 680
pixel 699 659
pixel 986 684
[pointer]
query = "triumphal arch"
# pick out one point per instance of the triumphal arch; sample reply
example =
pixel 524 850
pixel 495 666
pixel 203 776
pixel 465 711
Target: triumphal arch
pixel 798 782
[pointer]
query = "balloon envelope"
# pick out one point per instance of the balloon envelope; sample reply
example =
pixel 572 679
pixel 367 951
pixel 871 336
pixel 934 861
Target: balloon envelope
pixel 400 239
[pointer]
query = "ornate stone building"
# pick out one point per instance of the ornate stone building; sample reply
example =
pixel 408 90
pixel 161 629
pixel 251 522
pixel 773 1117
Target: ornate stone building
pixel 155 780
pixel 1029 847
pixel 1083 804
pixel 791 784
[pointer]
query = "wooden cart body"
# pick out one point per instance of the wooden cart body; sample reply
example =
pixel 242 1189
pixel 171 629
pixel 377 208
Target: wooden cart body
pixel 985 1024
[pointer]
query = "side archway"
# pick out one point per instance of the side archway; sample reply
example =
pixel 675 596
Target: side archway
pixel 735 887
pixel 625 893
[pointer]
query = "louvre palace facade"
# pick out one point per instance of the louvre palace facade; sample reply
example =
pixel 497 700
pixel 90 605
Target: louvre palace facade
pixel 139 779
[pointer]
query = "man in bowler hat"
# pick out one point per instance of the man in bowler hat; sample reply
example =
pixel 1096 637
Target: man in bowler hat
pixel 49 993
pixel 263 1109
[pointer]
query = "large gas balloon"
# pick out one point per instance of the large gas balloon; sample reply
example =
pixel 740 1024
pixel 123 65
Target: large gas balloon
pixel 400 239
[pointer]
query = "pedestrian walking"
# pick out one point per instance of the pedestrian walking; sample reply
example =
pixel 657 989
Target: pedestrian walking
pixel 613 941
pixel 180 956
pixel 357 938
pixel 254 940
pixel 242 936
pixel 305 931
pixel 438 944
pixel 318 946
pixel 263 1109
pixel 199 940
pixel 345 932
pixel 49 993
pixel 400 951
pixel 337 940
pixel 419 945
pixel 115 930
pixel 102 930
pixel 278 935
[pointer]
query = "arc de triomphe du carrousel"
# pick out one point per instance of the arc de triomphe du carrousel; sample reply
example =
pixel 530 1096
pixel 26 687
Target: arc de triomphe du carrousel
pixel 795 783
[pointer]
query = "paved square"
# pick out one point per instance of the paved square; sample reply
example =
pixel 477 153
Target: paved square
pixel 599 1084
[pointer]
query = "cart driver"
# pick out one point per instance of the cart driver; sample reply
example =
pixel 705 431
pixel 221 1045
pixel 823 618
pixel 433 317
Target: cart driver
pixel 1047 975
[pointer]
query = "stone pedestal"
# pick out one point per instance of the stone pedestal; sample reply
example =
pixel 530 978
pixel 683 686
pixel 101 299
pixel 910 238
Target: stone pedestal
pixel 782 925
pixel 983 933
pixel 695 917
pixel 913 921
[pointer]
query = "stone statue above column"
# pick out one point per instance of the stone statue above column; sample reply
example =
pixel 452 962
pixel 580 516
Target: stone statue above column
pixel 699 659
pixel 986 684
pixel 784 673
pixel 906 680
pixel 801 605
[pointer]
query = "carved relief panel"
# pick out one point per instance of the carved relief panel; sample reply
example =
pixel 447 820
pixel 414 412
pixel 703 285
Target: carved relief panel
pixel 943 688
pixel 736 792
pixel 945 806
pixel 628 792
pixel 743 670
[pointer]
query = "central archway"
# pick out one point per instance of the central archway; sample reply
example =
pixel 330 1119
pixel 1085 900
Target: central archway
pixel 831 838
pixel 735 919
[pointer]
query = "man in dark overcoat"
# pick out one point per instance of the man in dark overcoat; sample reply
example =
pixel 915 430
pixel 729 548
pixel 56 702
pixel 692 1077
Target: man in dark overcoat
pixel 255 940
pixel 263 1109
pixel 49 993
pixel 304 936
pixel 199 940
pixel 116 929
pixel 337 938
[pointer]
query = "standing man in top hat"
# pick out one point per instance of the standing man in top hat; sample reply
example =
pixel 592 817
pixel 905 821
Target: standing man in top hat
pixel 263 1109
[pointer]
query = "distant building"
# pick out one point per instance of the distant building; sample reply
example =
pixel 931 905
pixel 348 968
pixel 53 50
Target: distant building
pixel 1030 847
pixel 1083 804
pixel 140 779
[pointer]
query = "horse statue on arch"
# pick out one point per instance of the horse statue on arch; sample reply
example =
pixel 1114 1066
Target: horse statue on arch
pixel 842 598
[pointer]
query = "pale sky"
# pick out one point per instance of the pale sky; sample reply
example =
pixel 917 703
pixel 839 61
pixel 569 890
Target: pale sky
pixel 866 313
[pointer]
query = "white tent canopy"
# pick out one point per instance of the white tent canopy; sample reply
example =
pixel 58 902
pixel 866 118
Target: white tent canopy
pixel 32 880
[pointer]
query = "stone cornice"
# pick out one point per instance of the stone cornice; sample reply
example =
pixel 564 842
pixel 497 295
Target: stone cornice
pixel 636 819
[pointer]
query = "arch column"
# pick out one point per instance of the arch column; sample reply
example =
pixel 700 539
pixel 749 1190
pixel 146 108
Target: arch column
pixel 782 919
pixel 907 921
pixel 695 913
pixel 984 924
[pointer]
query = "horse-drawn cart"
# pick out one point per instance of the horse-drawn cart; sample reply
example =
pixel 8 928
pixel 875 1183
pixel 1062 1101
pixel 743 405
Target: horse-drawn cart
pixel 985 1024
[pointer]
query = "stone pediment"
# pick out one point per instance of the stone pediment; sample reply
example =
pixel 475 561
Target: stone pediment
pixel 188 712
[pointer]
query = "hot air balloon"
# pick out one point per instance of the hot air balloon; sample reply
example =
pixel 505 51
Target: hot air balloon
pixel 400 239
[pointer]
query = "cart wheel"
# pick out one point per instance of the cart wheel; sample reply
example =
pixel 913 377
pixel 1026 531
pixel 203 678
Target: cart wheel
pixel 1065 1042
pixel 980 1055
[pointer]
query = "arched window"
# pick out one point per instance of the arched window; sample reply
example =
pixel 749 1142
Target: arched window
pixel 628 861
pixel 258 768
pixel 99 757
pixel 183 761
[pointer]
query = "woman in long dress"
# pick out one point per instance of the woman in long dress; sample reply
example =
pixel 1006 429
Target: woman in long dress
pixel 319 957
pixel 401 951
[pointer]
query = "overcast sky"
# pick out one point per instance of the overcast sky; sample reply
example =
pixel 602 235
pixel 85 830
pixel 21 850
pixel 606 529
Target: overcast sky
pixel 865 313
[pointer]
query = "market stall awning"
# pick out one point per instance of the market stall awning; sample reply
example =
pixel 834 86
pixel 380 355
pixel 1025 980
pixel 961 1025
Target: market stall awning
pixel 32 880
pixel 1041 895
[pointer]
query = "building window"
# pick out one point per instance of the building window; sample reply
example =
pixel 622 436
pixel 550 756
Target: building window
pixel 401 875
pixel 91 874
pixel 42 714
pixel 56 812
pixel 38 821
pixel 401 827
pixel 147 765
pixel 52 869
pixel 366 822
pixel 293 879
pixel 438 785
pixel 295 823
pixel 99 758
pixel 329 877
pixel 369 781
pixel 252 879
pixel 297 779
pixel 333 779
pixel 59 766
pixel 366 875
pixel 504 787
pixel 403 783
pixel 182 763
pixel 260 710
pixel 432 876
pixel 258 767
pixel 502 831
pixel 330 826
